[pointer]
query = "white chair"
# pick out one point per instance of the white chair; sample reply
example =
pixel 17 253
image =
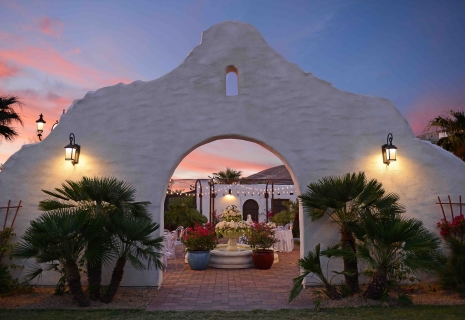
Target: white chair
pixel 169 250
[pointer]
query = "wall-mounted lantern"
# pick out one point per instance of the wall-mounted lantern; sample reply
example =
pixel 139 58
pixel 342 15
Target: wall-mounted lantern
pixel 54 125
pixel 229 192
pixel 40 126
pixel 72 150
pixel 389 150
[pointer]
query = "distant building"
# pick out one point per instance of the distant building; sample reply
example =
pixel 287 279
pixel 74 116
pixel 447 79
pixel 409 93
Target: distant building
pixel 248 194
pixel 432 137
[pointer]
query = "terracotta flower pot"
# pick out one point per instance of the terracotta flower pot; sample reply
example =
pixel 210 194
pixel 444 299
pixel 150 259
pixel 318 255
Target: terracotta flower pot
pixel 263 259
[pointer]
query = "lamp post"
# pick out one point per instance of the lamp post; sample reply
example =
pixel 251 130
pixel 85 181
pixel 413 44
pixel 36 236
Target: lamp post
pixel 40 126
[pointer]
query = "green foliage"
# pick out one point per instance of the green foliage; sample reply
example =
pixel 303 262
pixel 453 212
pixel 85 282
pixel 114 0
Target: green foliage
pixel 59 237
pixel 134 241
pixel 5 245
pixel 182 215
pixel 101 194
pixel 8 116
pixel 344 198
pixel 452 274
pixel 311 266
pixel 288 215
pixel 226 177
pixel 394 248
pixel 454 128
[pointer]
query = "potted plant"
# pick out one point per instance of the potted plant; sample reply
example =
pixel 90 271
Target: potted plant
pixel 261 238
pixel 198 242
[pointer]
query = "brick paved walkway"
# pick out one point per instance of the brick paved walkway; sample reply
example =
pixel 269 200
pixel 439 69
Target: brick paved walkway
pixel 229 289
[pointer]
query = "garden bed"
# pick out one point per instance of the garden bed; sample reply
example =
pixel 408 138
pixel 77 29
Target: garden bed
pixel 421 294
pixel 43 298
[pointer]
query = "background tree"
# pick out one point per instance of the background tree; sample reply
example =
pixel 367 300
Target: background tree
pixel 226 177
pixel 453 126
pixel 343 198
pixel 9 116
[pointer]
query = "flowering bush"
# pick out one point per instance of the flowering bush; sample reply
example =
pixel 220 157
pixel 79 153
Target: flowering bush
pixel 452 275
pixel 260 236
pixel 270 214
pixel 456 228
pixel 271 224
pixel 231 213
pixel 200 238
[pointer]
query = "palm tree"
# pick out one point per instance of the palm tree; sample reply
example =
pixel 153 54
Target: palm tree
pixel 394 242
pixel 8 116
pixel 61 238
pixel 342 198
pixel 133 242
pixel 454 129
pixel 311 265
pixel 104 196
pixel 226 177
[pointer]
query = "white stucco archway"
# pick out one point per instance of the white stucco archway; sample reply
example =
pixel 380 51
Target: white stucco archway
pixel 140 132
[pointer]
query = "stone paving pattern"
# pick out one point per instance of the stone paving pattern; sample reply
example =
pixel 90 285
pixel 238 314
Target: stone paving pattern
pixel 229 289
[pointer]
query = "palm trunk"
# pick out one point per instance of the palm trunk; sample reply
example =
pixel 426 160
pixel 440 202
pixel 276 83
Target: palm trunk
pixel 332 292
pixel 377 285
pixel 74 283
pixel 116 278
pixel 350 264
pixel 94 278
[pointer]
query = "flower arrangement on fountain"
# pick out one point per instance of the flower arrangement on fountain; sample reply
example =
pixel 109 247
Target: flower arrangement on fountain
pixel 231 213
pixel 231 226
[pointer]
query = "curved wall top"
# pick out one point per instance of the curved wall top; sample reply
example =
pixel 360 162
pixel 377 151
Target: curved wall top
pixel 140 132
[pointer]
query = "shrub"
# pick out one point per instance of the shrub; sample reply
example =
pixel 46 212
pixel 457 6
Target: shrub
pixel 9 285
pixel 260 236
pixel 201 238
pixel 181 215
pixel 286 216
pixel 452 274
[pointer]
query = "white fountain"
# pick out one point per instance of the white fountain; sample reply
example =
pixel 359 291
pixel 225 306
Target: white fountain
pixel 233 255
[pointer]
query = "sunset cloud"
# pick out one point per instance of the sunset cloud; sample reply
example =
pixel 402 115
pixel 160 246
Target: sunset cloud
pixel 7 71
pixel 431 105
pixel 239 155
pixel 51 62
pixel 50 26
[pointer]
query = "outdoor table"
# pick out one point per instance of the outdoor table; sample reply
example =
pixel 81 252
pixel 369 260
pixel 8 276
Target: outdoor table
pixel 285 243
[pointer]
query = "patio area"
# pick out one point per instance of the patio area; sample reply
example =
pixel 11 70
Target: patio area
pixel 229 289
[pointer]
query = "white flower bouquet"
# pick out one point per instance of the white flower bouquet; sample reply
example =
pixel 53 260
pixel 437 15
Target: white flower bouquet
pixel 231 213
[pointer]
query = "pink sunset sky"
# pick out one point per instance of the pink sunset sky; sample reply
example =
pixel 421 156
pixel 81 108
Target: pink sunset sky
pixel 53 52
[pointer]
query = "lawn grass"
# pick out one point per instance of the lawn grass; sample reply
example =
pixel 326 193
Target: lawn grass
pixel 414 312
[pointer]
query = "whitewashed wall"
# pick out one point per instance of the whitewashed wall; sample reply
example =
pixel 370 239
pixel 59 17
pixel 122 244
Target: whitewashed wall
pixel 140 133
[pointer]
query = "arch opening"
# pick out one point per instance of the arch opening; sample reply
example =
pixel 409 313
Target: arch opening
pixel 232 81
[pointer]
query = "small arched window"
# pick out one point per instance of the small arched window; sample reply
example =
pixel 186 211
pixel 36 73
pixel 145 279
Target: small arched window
pixel 232 81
